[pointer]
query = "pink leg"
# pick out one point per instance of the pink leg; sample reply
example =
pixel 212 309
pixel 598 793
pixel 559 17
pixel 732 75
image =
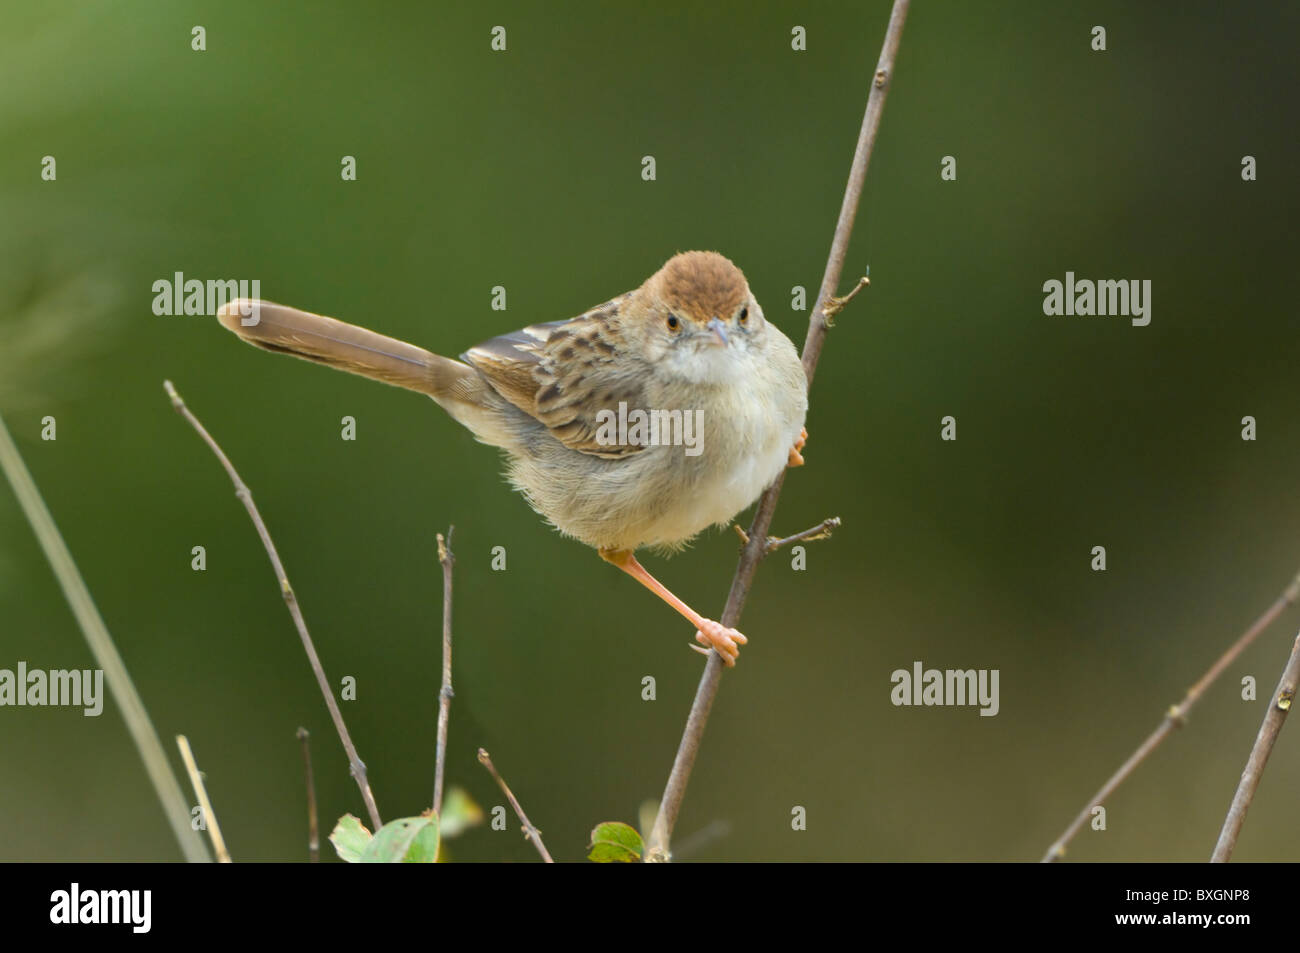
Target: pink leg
pixel 709 633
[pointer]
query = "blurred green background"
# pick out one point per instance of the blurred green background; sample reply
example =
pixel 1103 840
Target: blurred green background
pixel 522 169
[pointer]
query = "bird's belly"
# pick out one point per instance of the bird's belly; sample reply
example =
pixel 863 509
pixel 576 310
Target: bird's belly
pixel 721 492
pixel 662 496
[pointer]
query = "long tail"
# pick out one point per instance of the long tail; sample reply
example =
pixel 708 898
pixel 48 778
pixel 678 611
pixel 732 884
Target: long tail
pixel 314 337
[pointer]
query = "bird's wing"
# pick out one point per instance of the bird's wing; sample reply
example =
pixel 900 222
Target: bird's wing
pixel 564 374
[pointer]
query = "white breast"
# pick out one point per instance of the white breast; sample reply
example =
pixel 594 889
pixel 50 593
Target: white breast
pixel 740 458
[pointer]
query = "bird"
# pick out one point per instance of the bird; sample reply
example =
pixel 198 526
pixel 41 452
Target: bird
pixel 639 423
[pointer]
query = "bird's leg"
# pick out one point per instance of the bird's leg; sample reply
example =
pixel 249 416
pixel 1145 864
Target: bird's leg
pixel 726 641
pixel 796 459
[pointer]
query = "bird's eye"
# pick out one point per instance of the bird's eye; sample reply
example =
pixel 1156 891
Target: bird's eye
pixel 744 315
pixel 673 322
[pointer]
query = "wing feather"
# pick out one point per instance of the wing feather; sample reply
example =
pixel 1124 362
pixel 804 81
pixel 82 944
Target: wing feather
pixel 563 374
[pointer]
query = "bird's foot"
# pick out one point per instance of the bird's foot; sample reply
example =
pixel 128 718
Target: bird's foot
pixel 796 459
pixel 717 636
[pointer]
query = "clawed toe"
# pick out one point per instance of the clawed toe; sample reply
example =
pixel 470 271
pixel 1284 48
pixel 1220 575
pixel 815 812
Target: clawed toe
pixel 725 641
pixel 796 458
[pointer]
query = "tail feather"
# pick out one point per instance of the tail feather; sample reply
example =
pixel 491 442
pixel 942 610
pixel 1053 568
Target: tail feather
pixel 314 337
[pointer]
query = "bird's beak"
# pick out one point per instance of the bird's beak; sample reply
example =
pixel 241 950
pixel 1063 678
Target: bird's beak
pixel 719 331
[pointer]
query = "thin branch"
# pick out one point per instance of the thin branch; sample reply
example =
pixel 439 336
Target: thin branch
pixel 313 829
pixel 532 833
pixel 836 305
pixel 201 792
pixel 1254 772
pixel 174 803
pixel 821 531
pixel 1176 717
pixel 447 559
pixel 357 766
pixel 755 549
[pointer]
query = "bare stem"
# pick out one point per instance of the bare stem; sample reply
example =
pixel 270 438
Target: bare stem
pixel 532 833
pixel 1176 717
pixel 754 550
pixel 313 828
pixel 1254 772
pixel 201 792
pixel 836 305
pixel 447 559
pixel 358 767
pixel 822 530
pixel 174 804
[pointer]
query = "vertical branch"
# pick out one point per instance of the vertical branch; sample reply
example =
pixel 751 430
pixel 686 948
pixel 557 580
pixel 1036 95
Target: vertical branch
pixel 1254 772
pixel 444 697
pixel 165 786
pixel 205 805
pixel 755 549
pixel 245 496
pixel 313 828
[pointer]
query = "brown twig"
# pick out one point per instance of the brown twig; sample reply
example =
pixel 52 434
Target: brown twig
pixel 755 548
pixel 1176 717
pixel 1254 772
pixel 313 829
pixel 836 305
pixel 822 530
pixel 447 559
pixel 205 806
pixel 532 833
pixel 358 767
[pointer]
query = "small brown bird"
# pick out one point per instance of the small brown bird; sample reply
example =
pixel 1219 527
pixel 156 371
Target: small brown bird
pixel 641 422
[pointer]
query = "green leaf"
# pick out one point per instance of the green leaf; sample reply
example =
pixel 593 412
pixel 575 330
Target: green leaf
pixel 407 840
pixel 615 842
pixel 459 813
pixel 350 838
